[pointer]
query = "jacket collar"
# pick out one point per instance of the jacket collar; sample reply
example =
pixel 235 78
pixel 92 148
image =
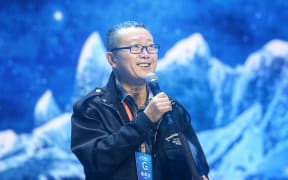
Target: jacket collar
pixel 111 95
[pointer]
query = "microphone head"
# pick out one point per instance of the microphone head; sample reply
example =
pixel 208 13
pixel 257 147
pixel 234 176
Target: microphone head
pixel 152 82
pixel 150 77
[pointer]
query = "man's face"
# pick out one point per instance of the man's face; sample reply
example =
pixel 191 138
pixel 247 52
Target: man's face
pixel 132 68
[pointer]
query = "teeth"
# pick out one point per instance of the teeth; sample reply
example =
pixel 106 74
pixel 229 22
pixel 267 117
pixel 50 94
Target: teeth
pixel 143 64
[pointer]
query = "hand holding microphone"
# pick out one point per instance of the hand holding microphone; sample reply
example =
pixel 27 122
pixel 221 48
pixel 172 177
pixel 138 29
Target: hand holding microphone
pixel 160 104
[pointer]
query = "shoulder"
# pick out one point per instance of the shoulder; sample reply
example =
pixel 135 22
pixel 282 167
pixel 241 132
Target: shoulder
pixel 94 96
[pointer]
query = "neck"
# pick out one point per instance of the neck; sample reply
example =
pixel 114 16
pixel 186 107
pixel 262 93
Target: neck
pixel 138 93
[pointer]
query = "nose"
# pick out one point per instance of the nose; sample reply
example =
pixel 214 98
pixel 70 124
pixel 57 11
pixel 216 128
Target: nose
pixel 146 49
pixel 144 52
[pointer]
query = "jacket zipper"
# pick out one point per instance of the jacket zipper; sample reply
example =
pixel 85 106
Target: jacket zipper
pixel 155 137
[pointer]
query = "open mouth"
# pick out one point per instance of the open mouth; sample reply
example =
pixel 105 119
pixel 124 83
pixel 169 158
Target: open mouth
pixel 144 64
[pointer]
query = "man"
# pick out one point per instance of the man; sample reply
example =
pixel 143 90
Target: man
pixel 118 131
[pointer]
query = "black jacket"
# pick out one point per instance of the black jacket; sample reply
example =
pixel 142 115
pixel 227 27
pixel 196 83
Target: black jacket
pixel 105 141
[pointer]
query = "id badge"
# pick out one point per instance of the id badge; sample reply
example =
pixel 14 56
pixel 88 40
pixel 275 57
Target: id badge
pixel 144 166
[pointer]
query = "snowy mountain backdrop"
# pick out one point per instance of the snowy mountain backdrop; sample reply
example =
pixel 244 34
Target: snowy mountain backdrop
pixel 240 113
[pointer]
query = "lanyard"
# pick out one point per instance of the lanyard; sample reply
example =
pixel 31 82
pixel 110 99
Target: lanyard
pixel 130 115
pixel 128 111
pixel 143 160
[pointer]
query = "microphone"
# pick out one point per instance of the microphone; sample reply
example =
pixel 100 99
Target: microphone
pixel 152 82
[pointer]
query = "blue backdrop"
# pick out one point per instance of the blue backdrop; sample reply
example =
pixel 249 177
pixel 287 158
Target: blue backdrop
pixel 41 43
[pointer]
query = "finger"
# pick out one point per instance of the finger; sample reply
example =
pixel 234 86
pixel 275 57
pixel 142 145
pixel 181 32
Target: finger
pixel 161 95
pixel 164 106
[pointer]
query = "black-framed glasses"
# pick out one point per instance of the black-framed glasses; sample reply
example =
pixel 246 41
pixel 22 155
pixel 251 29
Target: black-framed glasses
pixel 138 48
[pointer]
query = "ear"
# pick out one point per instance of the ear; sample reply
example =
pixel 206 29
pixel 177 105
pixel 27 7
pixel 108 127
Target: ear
pixel 110 59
